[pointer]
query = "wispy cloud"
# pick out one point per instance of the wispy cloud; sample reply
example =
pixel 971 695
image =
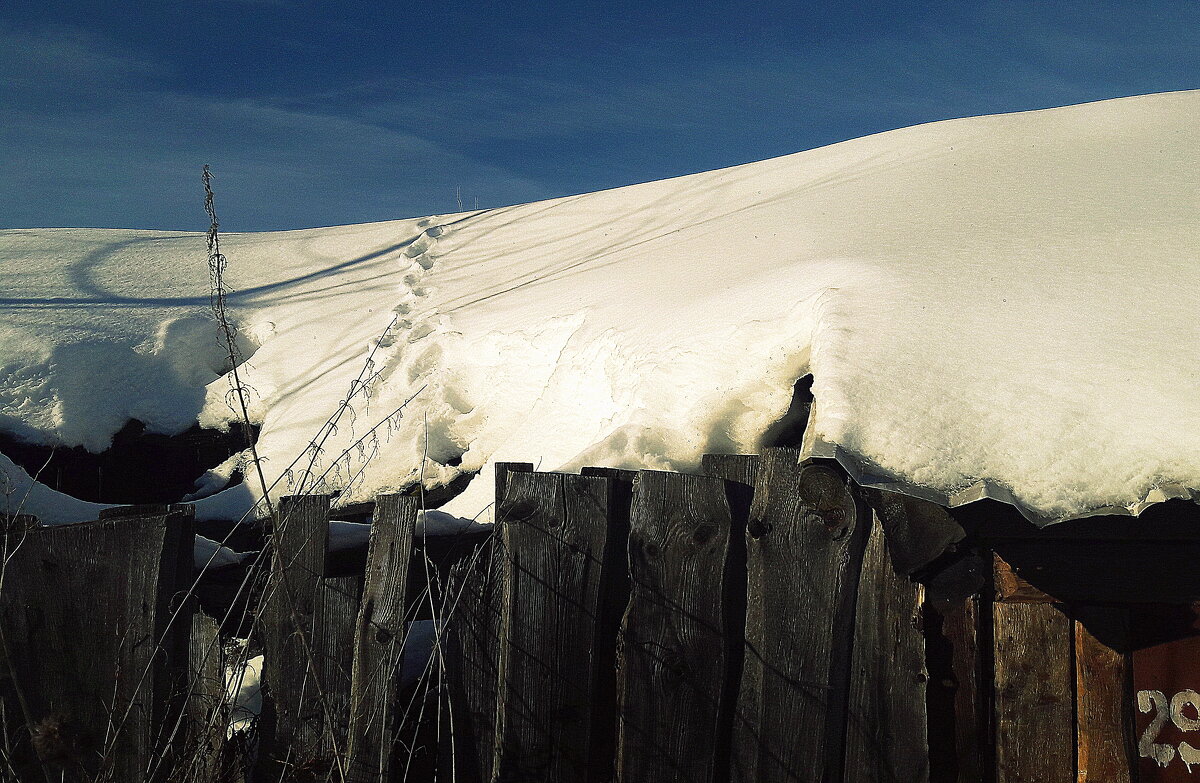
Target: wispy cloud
pixel 56 58
pixel 102 134
pixel 129 154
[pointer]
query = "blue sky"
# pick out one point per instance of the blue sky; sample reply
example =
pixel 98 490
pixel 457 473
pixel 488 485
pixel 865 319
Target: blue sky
pixel 322 113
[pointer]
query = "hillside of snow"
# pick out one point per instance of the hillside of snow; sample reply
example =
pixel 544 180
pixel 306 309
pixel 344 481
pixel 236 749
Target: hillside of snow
pixel 1002 305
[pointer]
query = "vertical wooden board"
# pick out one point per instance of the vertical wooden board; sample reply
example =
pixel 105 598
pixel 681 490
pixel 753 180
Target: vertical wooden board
pixel 958 730
pixel 207 712
pixel 474 637
pixel 671 666
pixel 1105 745
pixel 886 725
pixel 96 709
pixel 378 641
pixel 614 600
pixel 1165 681
pixel 555 531
pixel 1035 731
pixel 739 472
pixel 340 601
pixel 476 584
pixel 296 678
pixel 804 550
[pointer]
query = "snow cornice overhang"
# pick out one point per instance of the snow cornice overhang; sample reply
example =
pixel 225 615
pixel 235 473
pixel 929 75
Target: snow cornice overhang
pixel 866 474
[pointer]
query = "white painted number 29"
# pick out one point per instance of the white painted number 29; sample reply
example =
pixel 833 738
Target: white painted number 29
pixel 1168 709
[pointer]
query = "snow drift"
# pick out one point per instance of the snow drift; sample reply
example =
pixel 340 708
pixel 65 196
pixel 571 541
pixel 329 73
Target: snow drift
pixel 1001 305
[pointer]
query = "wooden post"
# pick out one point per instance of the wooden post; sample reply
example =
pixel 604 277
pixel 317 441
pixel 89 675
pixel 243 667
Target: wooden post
pixel 1106 745
pixel 886 737
pixel 804 550
pixel 555 531
pixel 671 654
pixel 379 641
pixel 307 633
pixel 94 633
pixel 1035 729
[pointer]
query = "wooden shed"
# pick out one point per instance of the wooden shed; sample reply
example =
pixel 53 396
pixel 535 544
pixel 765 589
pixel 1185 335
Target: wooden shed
pixel 1077 658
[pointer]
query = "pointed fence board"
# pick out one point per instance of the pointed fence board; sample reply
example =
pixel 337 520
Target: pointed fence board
pixel 671 652
pixel 555 530
pixel 379 641
pixel 95 633
pixel 886 727
pixel 918 531
pixel 1106 747
pixel 1035 726
pixel 804 550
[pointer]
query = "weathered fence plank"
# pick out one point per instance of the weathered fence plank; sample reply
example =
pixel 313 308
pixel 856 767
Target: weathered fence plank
pixel 379 640
pixel 92 676
pixel 555 530
pixel 474 625
pixel 671 653
pixel 1035 728
pixel 958 731
pixel 1103 709
pixel 615 597
pixel 476 589
pixel 886 729
pixel 306 677
pixel 804 550
pixel 740 473
pixel 207 707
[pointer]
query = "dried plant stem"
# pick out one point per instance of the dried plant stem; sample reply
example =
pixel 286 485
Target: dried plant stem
pixel 217 294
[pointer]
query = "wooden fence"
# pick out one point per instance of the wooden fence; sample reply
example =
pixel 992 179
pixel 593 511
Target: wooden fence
pixel 766 620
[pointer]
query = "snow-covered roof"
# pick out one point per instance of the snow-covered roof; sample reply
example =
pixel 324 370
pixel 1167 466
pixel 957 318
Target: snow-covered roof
pixel 1004 304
